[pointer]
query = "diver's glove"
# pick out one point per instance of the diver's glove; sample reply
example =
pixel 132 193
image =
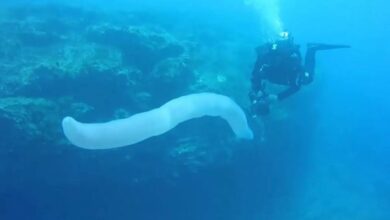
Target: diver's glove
pixel 272 98
pixel 254 96
pixel 261 104
pixel 260 107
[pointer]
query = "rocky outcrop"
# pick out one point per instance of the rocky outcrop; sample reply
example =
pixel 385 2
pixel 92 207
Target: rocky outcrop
pixel 34 119
pixel 58 61
pixel 143 47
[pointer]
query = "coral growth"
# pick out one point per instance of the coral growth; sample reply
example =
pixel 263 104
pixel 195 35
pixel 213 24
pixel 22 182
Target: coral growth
pixel 58 60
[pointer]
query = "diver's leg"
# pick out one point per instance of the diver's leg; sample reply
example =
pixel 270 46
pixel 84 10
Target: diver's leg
pixel 310 63
pixel 310 59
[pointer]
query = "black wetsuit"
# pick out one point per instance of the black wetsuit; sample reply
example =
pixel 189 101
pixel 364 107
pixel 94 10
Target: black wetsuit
pixel 281 63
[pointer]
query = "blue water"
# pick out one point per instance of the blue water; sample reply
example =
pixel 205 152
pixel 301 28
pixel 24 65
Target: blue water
pixel 326 150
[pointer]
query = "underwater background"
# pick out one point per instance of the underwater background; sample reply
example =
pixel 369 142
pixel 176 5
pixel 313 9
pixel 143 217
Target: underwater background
pixel 321 154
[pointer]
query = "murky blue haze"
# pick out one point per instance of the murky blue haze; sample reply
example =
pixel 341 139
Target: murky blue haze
pixel 325 153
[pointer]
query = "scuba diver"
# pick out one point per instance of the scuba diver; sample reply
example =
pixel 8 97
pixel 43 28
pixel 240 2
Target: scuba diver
pixel 280 63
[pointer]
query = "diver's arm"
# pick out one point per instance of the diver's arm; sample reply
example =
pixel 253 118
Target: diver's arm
pixel 257 89
pixel 258 76
pixel 257 80
pixel 288 92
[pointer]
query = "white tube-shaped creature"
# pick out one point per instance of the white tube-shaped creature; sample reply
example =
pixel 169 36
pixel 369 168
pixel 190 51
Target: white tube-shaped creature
pixel 141 126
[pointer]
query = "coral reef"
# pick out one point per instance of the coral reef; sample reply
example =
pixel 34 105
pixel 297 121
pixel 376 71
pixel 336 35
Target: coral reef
pixel 59 60
pixel 32 119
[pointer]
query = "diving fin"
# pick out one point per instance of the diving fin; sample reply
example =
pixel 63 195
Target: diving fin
pixel 319 46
